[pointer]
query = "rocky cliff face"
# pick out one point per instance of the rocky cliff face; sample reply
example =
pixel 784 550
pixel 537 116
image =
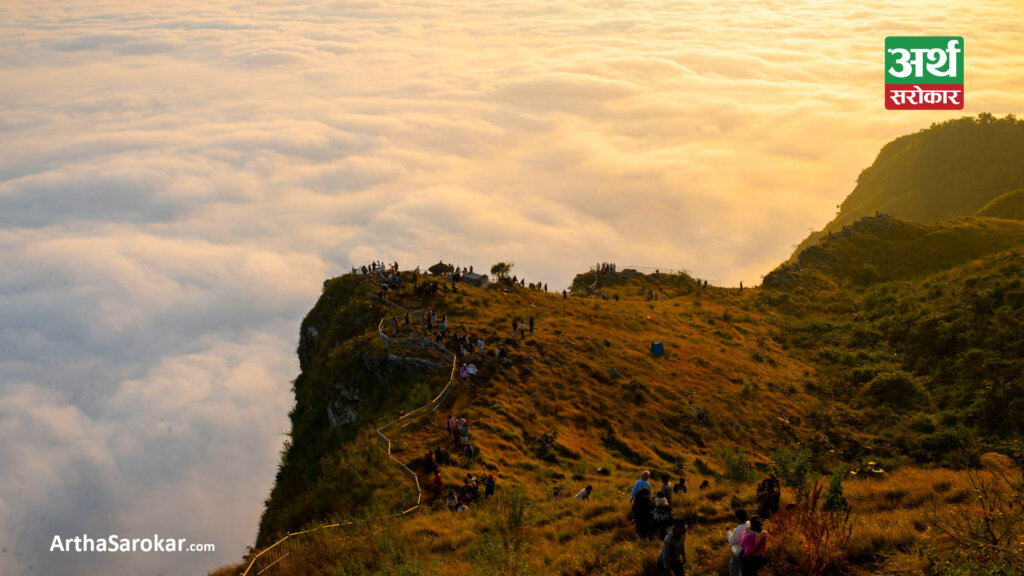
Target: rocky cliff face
pixel 348 382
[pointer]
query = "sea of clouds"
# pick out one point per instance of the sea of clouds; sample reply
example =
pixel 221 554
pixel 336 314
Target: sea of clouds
pixel 178 178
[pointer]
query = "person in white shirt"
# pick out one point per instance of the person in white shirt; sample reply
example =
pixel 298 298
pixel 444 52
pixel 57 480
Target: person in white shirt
pixel 734 535
pixel 583 494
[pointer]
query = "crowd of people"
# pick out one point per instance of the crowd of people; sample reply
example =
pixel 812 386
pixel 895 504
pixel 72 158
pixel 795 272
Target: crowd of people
pixel 651 510
pixel 519 327
pixel 377 267
pixel 747 542
pixel 469 494
pixel 653 517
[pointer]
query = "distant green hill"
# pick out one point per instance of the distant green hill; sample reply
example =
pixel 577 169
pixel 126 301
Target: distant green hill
pixel 949 170
pixel 1009 205
pixel 883 248
pixel 890 344
pixel 946 350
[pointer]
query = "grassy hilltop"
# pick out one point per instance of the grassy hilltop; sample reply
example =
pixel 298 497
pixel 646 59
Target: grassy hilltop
pixel 949 170
pixel 883 365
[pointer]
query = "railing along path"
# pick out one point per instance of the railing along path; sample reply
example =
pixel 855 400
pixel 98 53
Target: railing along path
pixel 273 556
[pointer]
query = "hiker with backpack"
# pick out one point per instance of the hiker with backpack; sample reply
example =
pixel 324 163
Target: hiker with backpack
pixel 642 514
pixel 661 515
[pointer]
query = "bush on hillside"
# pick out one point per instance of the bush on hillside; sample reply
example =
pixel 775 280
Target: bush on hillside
pixel 793 467
pixel 737 465
pixel 808 540
pixel 896 389
pixel 835 500
pixel 987 540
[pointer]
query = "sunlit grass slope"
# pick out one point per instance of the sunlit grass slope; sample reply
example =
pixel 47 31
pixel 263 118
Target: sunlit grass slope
pixel 583 401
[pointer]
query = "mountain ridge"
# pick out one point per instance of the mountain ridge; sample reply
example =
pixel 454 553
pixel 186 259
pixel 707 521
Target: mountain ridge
pixel 887 352
pixel 951 169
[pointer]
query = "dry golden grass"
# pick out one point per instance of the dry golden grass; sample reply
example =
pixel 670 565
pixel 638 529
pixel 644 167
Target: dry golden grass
pixel 587 374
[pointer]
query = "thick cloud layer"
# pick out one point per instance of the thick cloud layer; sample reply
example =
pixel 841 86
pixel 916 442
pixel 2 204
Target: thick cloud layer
pixel 176 181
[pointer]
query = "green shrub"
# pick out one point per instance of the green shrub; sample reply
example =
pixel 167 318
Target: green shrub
pixel 896 389
pixel 834 500
pixel 737 465
pixel 793 467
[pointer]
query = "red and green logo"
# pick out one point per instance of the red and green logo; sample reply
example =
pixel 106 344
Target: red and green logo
pixel 924 73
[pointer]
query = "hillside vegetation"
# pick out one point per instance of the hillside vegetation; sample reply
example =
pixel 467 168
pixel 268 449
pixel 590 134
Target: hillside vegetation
pixel 582 401
pixel 1009 205
pixel 882 248
pixel 949 170
pixel 880 375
